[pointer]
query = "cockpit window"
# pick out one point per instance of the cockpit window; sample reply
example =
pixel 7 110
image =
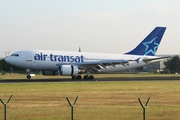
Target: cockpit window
pixel 16 55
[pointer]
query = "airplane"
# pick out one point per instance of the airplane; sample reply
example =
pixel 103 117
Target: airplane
pixel 68 63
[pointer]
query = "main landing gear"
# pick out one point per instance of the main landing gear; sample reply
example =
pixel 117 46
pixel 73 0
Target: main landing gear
pixel 90 77
pixel 86 77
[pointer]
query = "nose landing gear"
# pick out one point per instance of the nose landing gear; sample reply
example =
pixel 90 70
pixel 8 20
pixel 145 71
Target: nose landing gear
pixel 28 75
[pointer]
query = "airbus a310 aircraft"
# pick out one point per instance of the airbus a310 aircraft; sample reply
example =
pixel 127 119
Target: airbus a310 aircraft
pixel 74 63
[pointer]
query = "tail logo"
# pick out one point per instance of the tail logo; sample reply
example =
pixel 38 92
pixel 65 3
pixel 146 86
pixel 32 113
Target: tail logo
pixel 151 47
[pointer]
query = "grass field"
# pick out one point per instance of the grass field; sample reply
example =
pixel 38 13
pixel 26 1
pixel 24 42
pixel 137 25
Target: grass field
pixel 38 76
pixel 97 100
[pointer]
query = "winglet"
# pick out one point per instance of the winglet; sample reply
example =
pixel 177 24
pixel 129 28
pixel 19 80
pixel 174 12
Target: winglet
pixel 150 44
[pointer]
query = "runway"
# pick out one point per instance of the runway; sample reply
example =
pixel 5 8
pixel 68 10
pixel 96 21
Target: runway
pixel 95 80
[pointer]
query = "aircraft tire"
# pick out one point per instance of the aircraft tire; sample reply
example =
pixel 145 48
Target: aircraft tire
pixel 86 77
pixel 74 77
pixel 79 77
pixel 91 77
pixel 28 77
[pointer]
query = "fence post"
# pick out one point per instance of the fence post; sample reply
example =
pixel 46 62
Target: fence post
pixel 144 107
pixel 72 107
pixel 5 104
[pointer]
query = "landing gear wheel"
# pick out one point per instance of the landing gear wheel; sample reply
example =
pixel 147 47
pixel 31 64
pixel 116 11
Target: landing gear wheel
pixel 73 77
pixel 79 77
pixel 86 77
pixel 91 77
pixel 28 77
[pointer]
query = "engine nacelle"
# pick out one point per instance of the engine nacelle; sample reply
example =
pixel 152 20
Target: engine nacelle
pixel 68 70
pixel 50 72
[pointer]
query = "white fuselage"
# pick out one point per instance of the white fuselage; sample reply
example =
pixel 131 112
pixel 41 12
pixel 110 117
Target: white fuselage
pixel 49 60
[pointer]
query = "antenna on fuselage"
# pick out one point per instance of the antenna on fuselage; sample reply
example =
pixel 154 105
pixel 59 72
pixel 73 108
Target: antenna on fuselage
pixel 79 49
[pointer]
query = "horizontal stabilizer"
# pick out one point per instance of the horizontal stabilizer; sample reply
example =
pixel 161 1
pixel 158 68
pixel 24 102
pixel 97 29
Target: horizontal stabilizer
pixel 152 59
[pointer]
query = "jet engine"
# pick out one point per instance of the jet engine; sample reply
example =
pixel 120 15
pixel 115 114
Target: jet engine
pixel 68 70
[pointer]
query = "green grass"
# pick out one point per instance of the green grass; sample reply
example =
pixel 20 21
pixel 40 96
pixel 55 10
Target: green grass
pixel 97 100
pixel 38 76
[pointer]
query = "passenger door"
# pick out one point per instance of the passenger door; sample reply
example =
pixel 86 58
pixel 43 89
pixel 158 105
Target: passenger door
pixel 29 56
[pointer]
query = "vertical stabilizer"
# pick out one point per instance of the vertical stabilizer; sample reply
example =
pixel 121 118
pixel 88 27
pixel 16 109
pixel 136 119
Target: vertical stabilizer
pixel 150 44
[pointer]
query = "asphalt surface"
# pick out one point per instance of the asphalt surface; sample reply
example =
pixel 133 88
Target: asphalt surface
pixel 95 80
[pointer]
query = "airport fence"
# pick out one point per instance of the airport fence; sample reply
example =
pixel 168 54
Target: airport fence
pixel 73 105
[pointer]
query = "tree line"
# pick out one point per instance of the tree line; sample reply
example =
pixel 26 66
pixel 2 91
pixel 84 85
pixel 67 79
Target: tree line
pixel 172 65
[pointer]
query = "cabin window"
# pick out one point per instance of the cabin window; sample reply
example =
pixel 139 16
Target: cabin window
pixel 16 55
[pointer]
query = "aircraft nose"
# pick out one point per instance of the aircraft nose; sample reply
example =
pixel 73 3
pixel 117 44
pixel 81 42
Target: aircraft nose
pixel 8 60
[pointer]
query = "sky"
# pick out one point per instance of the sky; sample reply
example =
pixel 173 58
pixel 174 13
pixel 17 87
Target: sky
pixel 103 26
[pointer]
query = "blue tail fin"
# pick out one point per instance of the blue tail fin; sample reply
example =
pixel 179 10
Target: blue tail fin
pixel 150 44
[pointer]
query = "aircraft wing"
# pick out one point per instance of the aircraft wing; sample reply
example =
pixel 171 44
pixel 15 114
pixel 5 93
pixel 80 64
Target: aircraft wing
pixel 97 65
